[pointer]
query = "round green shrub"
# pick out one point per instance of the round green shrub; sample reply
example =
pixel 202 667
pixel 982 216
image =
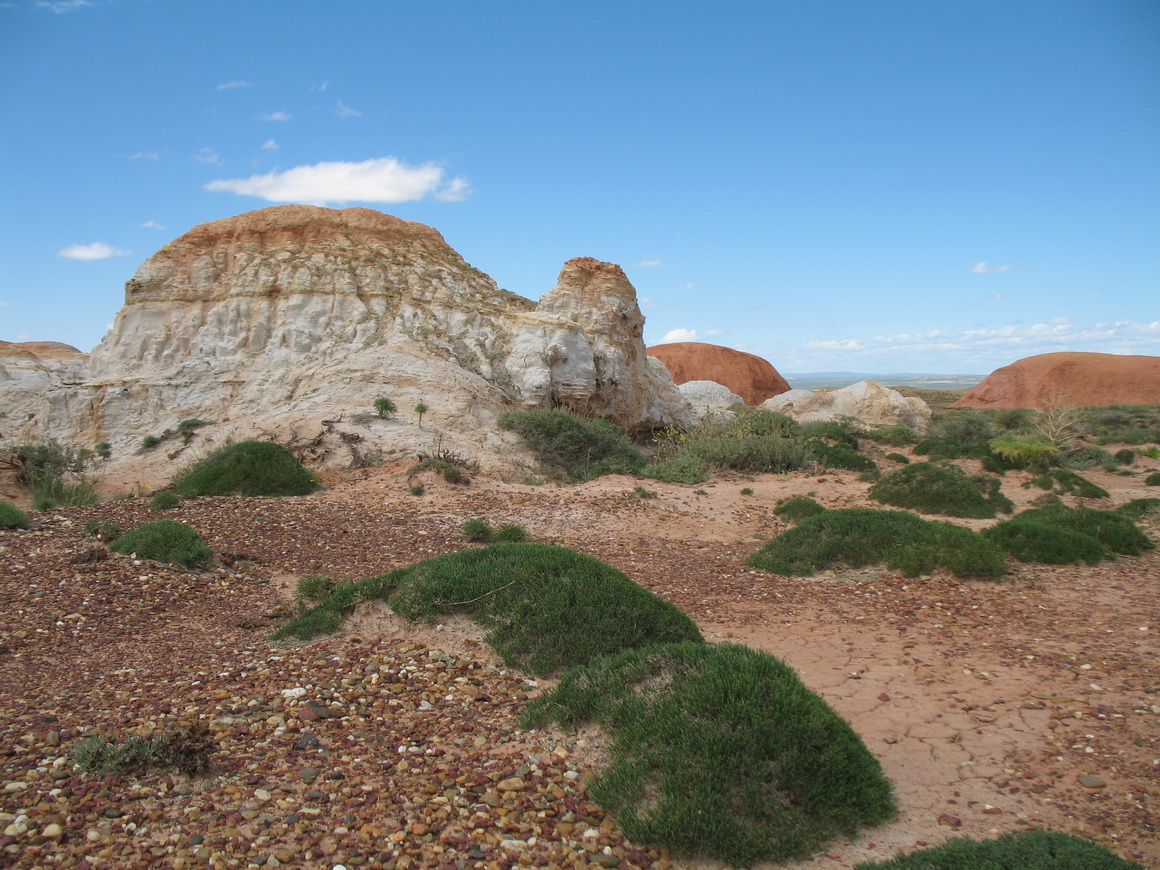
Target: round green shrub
pixel 1029 541
pixel 165 500
pixel 1152 479
pixel 477 531
pixel 797 507
pixel 1126 456
pixel 12 517
pixel 837 456
pixel 1140 507
pixel 249 468
pixel 894 436
pixel 1023 850
pixel 1115 531
pixel 165 541
pixel 899 458
pixel 1085 458
pixel 580 447
pixel 720 751
pixel 676 469
pixel 933 489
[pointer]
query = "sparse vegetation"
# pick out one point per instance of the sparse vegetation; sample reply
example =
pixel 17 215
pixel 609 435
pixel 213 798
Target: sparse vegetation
pixel 165 541
pixel 511 533
pixel 249 468
pixel 934 488
pixel 421 409
pixel 545 608
pixel 165 500
pixel 12 517
pixel 1152 479
pixel 747 491
pixel 1089 457
pixel 103 531
pixel 384 407
pixel 149 442
pixel 1024 850
pixel 477 531
pixel 450 471
pixel 1139 508
pixel 676 469
pixel 720 751
pixel 186 748
pixel 192 423
pixel 864 536
pixel 644 493
pixel 417 489
pixel 1127 456
pixel 893 436
pixel 898 458
pixel 578 448
pixel 1067 482
pixel 55 474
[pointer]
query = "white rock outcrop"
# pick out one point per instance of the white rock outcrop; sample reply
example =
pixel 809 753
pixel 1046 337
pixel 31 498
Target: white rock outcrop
pixel 709 397
pixel 296 318
pixel 866 401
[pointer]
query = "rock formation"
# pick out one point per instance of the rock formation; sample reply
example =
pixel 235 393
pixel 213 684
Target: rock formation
pixel 1080 379
pixel 749 376
pixel 709 397
pixel 301 316
pixel 866 401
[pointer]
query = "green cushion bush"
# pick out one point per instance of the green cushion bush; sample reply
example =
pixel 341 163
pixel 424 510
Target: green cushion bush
pixel 1140 507
pixel 1030 541
pixel 580 447
pixel 1152 479
pixel 12 517
pixel 838 456
pixel 1114 531
pixel 933 488
pixel 1025 850
pixel 1067 482
pixel 249 468
pixel 797 507
pixel 720 751
pixel 864 536
pixel 545 608
pixel 165 541
pixel 676 469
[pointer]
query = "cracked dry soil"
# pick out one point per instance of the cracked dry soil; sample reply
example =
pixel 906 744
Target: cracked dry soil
pixel 395 746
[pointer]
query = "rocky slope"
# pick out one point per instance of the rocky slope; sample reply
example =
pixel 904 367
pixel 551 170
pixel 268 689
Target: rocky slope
pixel 867 401
pixel 749 376
pixel 1081 379
pixel 298 317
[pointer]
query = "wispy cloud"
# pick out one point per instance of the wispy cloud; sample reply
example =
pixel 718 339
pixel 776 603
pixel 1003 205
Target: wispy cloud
pixel 689 286
pixel 648 264
pixel 237 83
pixel 276 116
pixel 994 297
pixel 153 225
pixel 983 268
pixel 59 7
pixel 270 145
pixel 385 179
pixel 95 251
pixel 319 87
pixel 2 303
pixel 208 156
pixel 346 111
pixel 145 155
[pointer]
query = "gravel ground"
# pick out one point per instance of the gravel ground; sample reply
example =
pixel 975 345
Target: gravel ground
pixel 368 750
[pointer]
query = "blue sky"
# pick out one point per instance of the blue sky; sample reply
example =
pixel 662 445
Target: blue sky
pixel 835 185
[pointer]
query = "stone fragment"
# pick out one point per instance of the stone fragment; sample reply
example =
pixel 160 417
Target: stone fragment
pixel 1088 781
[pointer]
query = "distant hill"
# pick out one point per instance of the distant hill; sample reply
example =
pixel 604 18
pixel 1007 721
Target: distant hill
pixel 817 380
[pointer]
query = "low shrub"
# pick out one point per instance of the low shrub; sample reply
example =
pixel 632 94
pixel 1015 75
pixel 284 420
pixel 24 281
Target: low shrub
pixel 899 458
pixel 833 432
pixel 447 469
pixel 964 427
pixel 676 469
pixel 579 447
pixel 545 607
pixel 477 531
pixel 894 436
pixel 1113 531
pixel 510 533
pixel 1030 541
pixel 1089 457
pixel 797 507
pixel 1024 452
pixel 315 588
pixel 186 748
pixel 165 541
pixel 1125 456
pixel 12 517
pixel 644 493
pixel 55 474
pixel 751 440
pixel 192 423
pixel 938 448
pixel 417 489
pixel 103 531
pixel 1023 850
pixel 720 751
pixel 249 468
pixel 1140 507
pixel 747 490
pixel 149 442
pixel 1152 479
pixel 932 488
pixel 165 500
pixel 864 536
pixel 384 407
pixel 837 456
pixel 1067 482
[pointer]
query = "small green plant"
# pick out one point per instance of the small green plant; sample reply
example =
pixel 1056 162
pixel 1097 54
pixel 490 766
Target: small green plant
pixel 1089 457
pixel 417 489
pixel 1152 479
pixel 186 748
pixel 863 536
pixel 12 517
pixel 421 409
pixel 933 488
pixel 720 751
pixel 103 450
pixel 1057 534
pixel 676 469
pixel 384 407
pixel 149 442
pixel 1067 482
pixel 644 493
pixel 545 608
pixel 249 468
pixel 898 458
pixel 477 531
pixel 192 423
pixel 747 491
pixel 510 533
pixel 56 475
pixel 103 531
pixel 1024 452
pixel 1127 456
pixel 839 456
pixel 578 447
pixel 165 541
pixel 445 468
pixel 165 500
pixel 312 589
pixel 1152 452
pixel 1024 850
pixel 797 508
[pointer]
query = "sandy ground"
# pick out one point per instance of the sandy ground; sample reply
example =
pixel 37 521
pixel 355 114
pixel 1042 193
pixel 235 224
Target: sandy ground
pixel 985 702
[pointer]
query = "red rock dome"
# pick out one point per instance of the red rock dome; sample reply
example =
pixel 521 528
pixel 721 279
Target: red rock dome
pixel 1081 379
pixel 749 376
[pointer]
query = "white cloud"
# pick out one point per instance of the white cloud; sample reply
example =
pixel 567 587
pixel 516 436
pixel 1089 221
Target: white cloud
pixel 95 251
pixel 145 155
pixel 270 145
pixel 225 86
pixel 346 111
pixel 384 179
pixel 208 156
pixel 275 116
pixel 689 286
pixel 715 332
pixel 57 7
pixel 2 303
pixel 982 268
pixel 153 225
pixel 321 87
pixel 994 297
pixel 648 264
pixel 681 334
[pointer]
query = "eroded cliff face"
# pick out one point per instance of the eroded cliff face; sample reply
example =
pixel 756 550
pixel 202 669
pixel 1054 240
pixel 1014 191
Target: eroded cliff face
pixel 298 314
